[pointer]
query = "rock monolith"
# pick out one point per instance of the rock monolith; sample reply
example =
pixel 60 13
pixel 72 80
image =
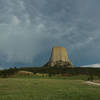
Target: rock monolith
pixel 59 57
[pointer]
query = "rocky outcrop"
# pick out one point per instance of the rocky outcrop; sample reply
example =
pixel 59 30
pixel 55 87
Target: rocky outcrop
pixel 24 73
pixel 59 57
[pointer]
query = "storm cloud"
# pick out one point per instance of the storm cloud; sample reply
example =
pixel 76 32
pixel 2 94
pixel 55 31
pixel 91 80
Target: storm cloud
pixel 30 28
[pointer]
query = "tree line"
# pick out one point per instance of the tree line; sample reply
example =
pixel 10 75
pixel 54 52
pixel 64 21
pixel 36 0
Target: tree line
pixel 52 71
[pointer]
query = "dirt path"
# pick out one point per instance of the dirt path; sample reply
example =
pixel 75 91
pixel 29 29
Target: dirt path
pixel 92 83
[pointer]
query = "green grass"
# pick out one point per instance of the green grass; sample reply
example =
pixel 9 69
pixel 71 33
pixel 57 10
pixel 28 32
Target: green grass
pixel 47 89
pixel 74 77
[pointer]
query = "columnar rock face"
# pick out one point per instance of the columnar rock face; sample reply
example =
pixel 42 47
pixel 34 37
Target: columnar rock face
pixel 59 54
pixel 59 57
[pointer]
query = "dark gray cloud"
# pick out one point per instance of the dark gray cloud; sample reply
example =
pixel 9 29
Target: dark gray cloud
pixel 30 28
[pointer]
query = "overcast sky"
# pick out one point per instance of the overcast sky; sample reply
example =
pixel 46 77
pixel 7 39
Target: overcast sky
pixel 30 28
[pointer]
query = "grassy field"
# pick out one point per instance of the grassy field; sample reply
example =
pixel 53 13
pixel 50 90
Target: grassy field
pixel 47 89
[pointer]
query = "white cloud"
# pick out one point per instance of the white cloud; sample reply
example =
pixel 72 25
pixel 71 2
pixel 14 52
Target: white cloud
pixel 15 20
pixel 93 66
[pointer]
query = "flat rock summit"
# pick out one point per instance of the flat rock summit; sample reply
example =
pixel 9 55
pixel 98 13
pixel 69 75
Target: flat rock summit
pixel 59 57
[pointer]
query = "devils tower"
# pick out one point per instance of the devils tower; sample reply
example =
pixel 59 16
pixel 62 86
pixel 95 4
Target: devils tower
pixel 59 57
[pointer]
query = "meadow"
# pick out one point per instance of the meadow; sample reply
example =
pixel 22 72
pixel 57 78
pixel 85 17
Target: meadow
pixel 47 89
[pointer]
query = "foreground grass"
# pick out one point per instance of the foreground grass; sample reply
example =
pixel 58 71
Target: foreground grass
pixel 74 77
pixel 47 89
